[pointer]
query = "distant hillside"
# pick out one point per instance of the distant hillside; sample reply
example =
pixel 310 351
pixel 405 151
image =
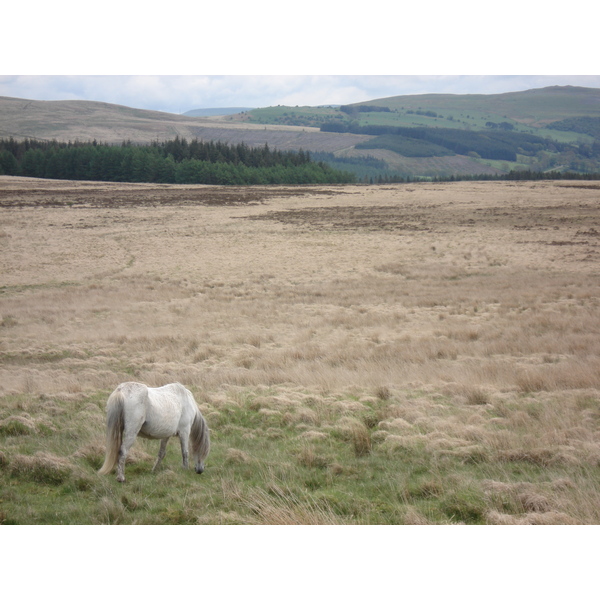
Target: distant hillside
pixel 71 120
pixel 535 108
pixel 542 129
pixel 554 128
pixel 530 111
pixel 215 112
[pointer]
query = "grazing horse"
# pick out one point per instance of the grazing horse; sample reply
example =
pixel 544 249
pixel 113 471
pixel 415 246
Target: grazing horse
pixel 156 413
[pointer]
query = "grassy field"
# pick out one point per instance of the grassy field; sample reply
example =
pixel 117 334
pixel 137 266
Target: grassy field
pixel 402 354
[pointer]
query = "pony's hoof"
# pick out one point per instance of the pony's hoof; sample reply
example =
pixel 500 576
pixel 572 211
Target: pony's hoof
pixel 121 479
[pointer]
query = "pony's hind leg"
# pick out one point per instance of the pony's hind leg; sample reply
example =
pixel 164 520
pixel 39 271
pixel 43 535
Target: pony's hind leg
pixel 129 436
pixel 161 453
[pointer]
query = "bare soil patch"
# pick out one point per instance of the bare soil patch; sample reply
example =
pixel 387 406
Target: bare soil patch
pixel 50 193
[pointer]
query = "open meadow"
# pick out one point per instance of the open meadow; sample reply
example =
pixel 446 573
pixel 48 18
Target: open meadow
pixel 417 353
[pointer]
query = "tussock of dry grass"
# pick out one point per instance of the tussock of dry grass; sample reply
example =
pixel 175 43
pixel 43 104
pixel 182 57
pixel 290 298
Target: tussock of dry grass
pixel 42 467
pixel 309 457
pixel 535 518
pixel 17 425
pixel 235 455
pixel 357 433
pixel 282 507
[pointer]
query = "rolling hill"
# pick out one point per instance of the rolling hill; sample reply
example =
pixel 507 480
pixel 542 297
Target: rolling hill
pixel 530 111
pixel 427 135
pixel 535 108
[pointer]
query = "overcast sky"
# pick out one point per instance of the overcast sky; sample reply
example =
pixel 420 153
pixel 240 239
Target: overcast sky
pixel 183 55
pixel 178 94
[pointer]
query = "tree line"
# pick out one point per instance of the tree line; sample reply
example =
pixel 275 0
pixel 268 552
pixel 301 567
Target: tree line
pixel 220 164
pixel 586 125
pixel 495 145
pixel 354 109
pixel 172 161
pixel 405 146
pixel 524 175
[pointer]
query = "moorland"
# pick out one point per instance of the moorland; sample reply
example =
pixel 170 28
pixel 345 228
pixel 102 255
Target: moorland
pixel 420 353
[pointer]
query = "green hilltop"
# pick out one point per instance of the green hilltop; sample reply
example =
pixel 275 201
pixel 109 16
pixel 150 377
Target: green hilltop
pixel 550 129
pixel 530 111
pixel 534 107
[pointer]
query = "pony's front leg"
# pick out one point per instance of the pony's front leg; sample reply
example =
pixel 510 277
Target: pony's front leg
pixel 183 440
pixel 161 453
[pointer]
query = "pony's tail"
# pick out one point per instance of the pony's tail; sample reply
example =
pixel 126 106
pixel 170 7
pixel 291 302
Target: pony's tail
pixel 200 436
pixel 114 431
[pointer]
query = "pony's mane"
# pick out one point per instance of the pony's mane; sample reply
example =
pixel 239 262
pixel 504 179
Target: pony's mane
pixel 200 437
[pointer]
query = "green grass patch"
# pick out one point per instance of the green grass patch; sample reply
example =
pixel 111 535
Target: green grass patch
pixel 278 457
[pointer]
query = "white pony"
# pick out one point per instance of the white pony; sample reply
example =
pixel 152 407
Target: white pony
pixel 156 413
